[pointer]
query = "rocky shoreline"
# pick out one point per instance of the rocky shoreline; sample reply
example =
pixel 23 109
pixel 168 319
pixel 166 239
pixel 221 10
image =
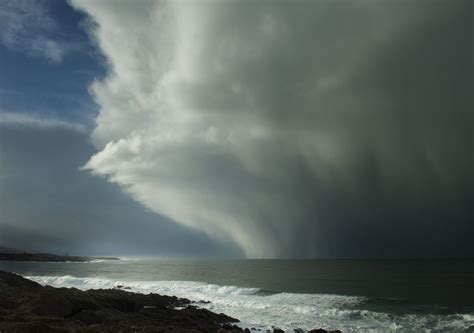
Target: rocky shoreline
pixel 26 306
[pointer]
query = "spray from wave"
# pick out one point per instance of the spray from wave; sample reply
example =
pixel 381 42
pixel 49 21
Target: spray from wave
pixel 258 308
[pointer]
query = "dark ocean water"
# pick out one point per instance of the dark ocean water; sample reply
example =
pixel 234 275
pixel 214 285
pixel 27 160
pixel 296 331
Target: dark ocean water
pixel 358 295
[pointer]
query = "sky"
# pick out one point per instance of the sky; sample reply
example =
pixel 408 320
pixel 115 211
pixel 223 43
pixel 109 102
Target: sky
pixel 237 129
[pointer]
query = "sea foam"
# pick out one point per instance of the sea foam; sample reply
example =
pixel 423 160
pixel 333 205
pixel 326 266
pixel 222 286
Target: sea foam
pixel 285 310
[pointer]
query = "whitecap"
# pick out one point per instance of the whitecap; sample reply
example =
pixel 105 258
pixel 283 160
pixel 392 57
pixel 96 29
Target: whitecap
pixel 284 310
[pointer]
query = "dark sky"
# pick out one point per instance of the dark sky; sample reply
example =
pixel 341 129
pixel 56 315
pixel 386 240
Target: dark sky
pixel 303 129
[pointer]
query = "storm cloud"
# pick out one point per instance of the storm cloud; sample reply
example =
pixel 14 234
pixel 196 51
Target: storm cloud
pixel 293 129
pixel 48 204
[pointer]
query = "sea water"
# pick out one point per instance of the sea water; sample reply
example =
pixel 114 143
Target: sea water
pixel 353 296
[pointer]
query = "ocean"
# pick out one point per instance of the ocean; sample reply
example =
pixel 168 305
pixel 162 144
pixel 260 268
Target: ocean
pixel 350 295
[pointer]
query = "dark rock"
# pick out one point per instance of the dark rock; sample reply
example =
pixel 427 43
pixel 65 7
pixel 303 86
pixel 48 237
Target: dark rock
pixel 88 317
pixel 122 287
pixel 278 330
pixel 228 328
pixel 26 306
pixel 8 281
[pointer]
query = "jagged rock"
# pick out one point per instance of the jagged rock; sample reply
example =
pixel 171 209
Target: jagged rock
pixel 228 328
pixel 26 306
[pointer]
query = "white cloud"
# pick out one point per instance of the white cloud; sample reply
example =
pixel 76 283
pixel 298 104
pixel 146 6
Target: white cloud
pixel 244 119
pixel 18 119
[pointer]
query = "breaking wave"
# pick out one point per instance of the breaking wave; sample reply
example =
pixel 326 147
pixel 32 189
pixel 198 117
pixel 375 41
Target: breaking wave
pixel 261 309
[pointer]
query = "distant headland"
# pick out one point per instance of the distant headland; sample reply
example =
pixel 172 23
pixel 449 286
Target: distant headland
pixel 10 254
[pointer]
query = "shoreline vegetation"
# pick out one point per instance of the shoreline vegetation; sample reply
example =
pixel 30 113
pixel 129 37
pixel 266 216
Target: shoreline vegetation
pixel 26 306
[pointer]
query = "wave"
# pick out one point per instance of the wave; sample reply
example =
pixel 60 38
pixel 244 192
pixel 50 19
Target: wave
pixel 162 287
pixel 258 308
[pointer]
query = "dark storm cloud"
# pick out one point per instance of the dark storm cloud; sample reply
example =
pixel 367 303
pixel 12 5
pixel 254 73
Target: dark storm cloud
pixel 48 204
pixel 409 187
pixel 294 129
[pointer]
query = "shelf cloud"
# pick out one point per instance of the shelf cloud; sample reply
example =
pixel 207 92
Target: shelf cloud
pixel 329 129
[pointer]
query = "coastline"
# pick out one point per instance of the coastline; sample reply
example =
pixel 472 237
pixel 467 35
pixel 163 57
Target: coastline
pixel 48 257
pixel 249 290
pixel 27 306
